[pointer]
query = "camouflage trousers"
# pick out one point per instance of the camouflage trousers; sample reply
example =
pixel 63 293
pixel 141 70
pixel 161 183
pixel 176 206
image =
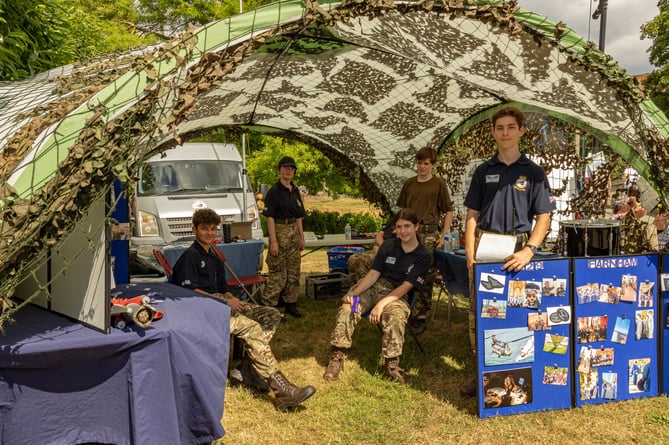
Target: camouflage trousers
pixel 393 320
pixel 359 264
pixel 284 269
pixel 423 303
pixel 256 326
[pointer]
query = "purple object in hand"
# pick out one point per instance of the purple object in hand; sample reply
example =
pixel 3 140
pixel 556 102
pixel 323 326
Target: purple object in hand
pixel 354 304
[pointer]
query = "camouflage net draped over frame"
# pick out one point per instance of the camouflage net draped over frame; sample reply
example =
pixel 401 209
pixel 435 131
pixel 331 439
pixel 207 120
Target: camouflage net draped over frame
pixel 111 144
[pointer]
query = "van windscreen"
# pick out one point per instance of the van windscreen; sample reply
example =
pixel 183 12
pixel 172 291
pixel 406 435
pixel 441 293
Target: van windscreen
pixel 201 176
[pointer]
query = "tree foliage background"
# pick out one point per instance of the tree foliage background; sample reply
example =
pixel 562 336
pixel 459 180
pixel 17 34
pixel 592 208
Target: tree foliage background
pixel 657 83
pixel 38 35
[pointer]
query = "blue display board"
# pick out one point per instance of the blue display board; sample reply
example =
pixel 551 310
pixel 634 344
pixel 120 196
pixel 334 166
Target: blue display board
pixel 664 322
pixel 615 328
pixel 524 321
pixel 120 234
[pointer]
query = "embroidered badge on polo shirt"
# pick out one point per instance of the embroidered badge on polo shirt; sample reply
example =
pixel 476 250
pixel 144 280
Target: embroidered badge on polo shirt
pixel 521 184
pixel 491 178
pixel 203 264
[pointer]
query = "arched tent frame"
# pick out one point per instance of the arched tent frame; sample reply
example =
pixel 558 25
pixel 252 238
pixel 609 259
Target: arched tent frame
pixel 366 82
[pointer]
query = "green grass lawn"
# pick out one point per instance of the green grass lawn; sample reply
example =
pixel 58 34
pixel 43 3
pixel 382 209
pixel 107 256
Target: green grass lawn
pixel 363 408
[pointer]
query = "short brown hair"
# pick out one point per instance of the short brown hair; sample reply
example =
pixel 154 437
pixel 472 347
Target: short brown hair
pixel 427 153
pixel 509 111
pixel 205 216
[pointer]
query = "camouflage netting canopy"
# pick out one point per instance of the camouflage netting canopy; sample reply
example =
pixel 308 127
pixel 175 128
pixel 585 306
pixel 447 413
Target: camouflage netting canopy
pixel 366 82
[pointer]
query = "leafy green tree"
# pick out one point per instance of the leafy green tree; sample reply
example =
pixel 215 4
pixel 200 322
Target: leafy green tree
pixel 314 170
pixel 657 82
pixel 38 35
pixel 172 16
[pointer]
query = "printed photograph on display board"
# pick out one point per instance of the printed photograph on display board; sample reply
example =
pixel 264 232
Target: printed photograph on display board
pixel 554 375
pixel 664 279
pixel 523 335
pixel 640 375
pixel 609 385
pixel 621 330
pixel 493 308
pixel 556 344
pixel 507 388
pixel 554 287
pixel 508 346
pixel 615 327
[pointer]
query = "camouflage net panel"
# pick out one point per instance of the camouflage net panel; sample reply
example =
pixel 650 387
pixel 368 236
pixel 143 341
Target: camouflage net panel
pixel 366 82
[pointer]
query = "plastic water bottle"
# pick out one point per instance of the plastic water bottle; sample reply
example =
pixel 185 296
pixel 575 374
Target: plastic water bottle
pixel 447 242
pixel 455 241
pixel 347 231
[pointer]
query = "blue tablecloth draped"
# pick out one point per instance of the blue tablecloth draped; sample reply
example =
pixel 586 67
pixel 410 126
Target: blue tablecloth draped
pixel 242 257
pixel 64 383
pixel 453 268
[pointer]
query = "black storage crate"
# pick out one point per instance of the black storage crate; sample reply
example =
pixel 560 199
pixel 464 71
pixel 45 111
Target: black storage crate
pixel 331 285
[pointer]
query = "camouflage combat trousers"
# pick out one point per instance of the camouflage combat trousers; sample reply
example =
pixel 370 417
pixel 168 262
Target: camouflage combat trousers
pixel 256 326
pixel 423 303
pixel 359 264
pixel 284 269
pixel 393 320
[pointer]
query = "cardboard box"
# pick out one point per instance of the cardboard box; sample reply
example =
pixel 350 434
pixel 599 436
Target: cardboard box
pixel 338 257
pixel 241 229
pixel 331 285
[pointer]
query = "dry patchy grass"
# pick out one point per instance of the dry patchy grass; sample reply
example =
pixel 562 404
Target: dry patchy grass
pixel 363 408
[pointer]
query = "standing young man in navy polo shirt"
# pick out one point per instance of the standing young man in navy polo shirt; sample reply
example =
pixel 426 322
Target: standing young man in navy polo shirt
pixel 506 195
pixel 284 211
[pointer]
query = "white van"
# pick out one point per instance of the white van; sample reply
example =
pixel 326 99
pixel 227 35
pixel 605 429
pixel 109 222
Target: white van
pixel 185 178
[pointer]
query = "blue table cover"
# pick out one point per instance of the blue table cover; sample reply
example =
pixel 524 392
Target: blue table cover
pixel 64 383
pixel 242 257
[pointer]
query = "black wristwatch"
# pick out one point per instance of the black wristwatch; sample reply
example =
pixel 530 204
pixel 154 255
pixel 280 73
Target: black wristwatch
pixel 533 248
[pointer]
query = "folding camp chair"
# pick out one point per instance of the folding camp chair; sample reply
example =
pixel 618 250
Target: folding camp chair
pixel 441 284
pixel 251 284
pixel 411 303
pixel 162 261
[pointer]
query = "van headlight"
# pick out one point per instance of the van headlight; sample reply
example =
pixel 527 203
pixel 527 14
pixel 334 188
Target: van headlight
pixel 252 212
pixel 148 224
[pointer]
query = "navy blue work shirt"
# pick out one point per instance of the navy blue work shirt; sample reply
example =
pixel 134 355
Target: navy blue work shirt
pixel 508 197
pixel 280 202
pixel 198 269
pixel 398 266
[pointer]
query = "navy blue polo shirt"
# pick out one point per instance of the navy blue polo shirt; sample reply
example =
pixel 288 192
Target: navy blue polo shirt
pixel 197 269
pixel 497 189
pixel 280 202
pixel 397 266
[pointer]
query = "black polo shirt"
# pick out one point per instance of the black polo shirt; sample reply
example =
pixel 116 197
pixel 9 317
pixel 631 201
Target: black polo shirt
pixel 280 202
pixel 497 189
pixel 397 266
pixel 197 269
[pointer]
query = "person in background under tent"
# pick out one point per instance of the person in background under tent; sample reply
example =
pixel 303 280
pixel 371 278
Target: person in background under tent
pixel 284 211
pixel 428 196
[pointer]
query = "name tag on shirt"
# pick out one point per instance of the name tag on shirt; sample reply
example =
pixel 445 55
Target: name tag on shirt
pixel 391 260
pixel 491 178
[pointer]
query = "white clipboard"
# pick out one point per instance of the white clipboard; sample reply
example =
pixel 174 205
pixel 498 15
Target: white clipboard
pixel 494 247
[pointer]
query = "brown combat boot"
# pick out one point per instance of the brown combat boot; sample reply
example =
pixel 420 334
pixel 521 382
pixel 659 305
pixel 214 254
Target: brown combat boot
pixel 392 370
pixel 287 394
pixel 335 366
